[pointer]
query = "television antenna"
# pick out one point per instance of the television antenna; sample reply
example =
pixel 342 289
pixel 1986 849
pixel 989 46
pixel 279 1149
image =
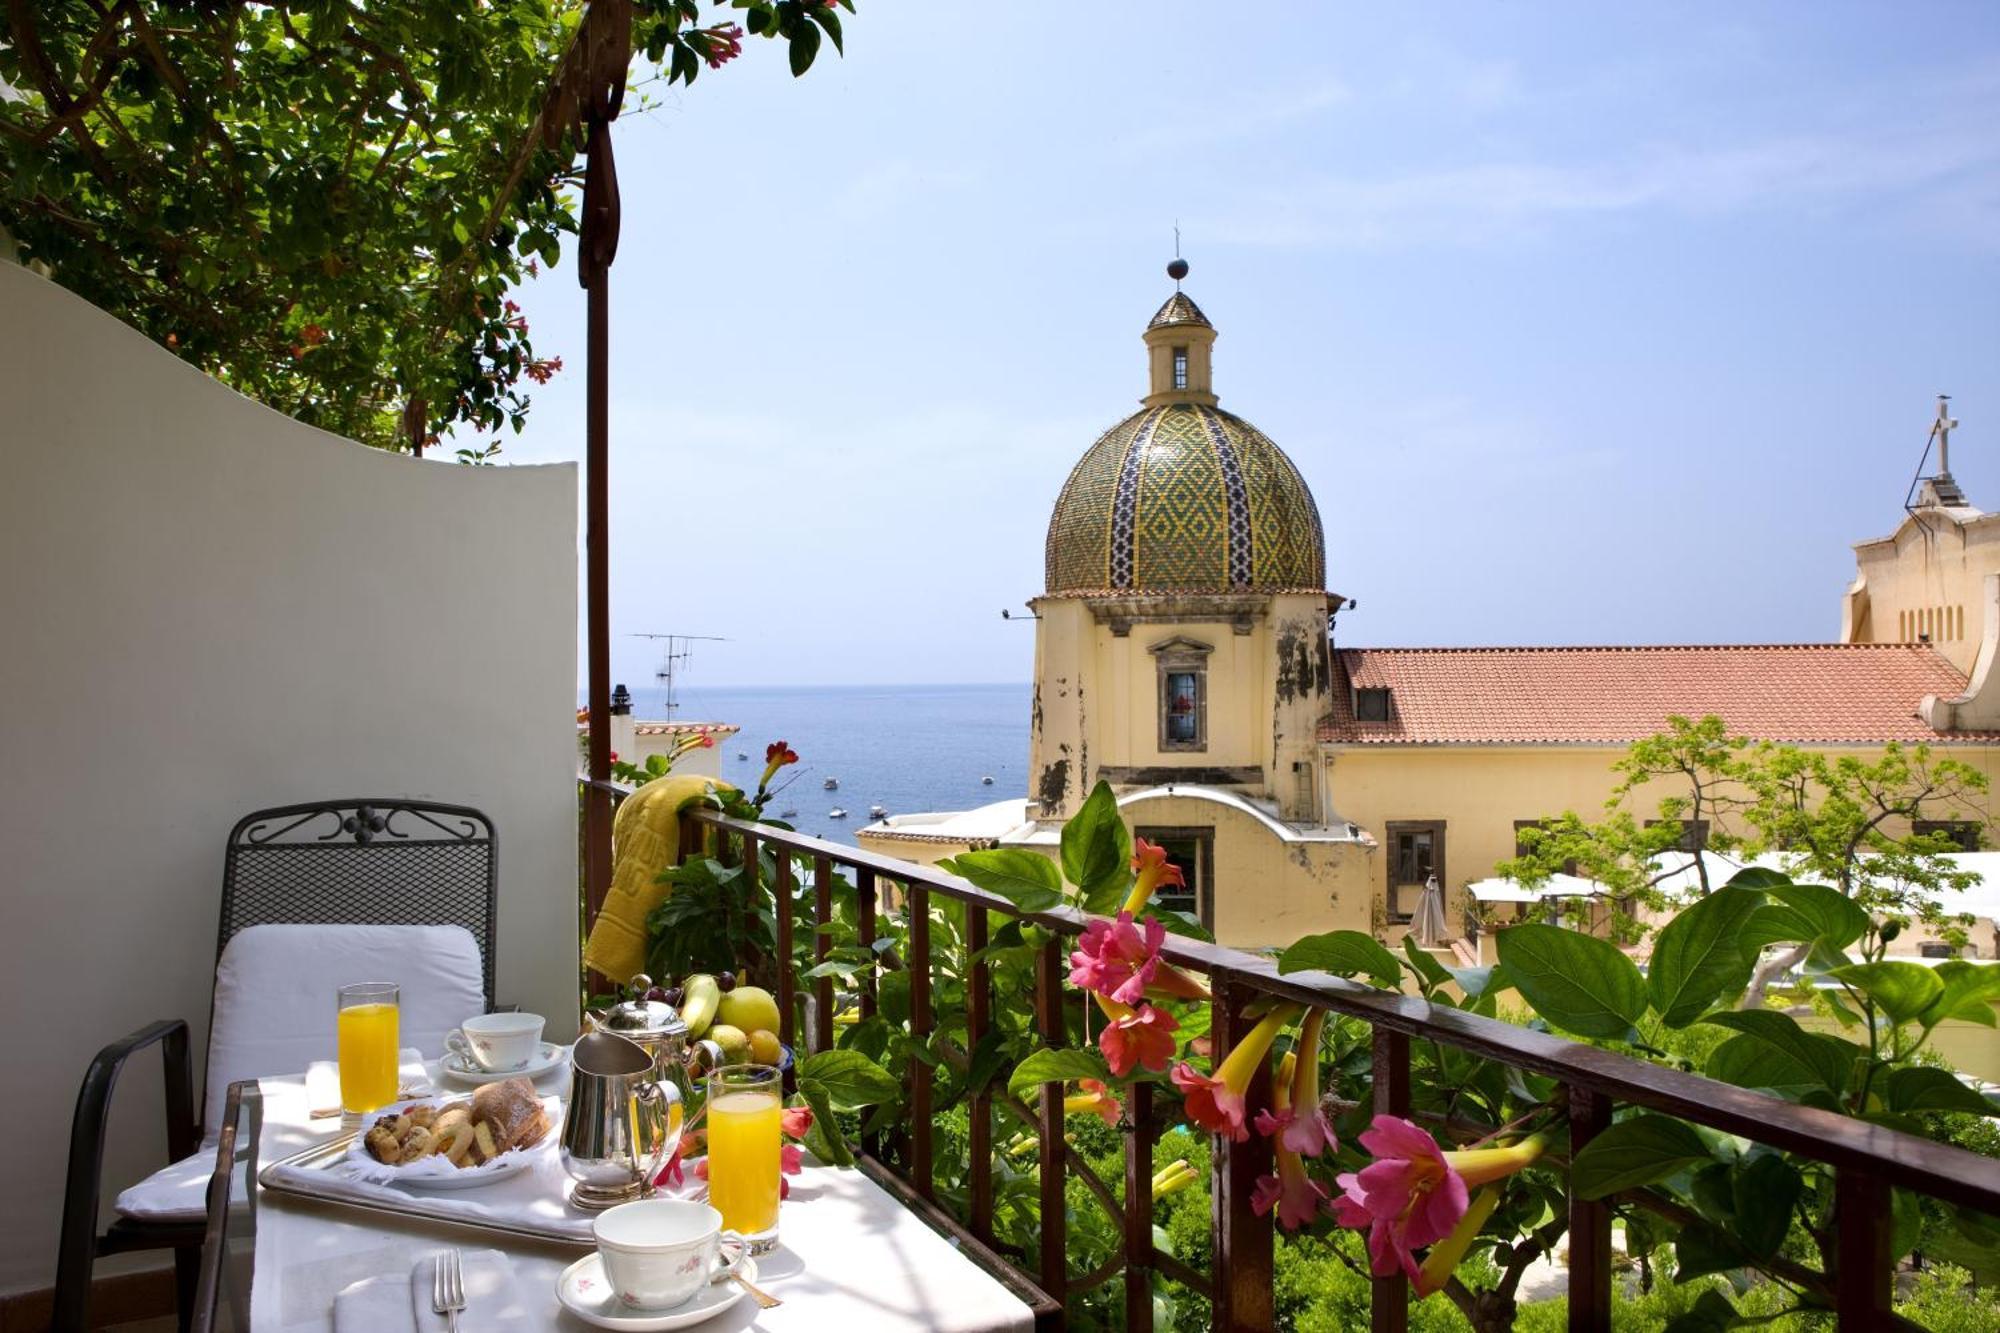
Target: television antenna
pixel 674 659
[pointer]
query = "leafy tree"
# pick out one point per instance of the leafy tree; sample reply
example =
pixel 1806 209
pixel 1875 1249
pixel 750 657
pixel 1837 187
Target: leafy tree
pixel 1842 819
pixel 324 203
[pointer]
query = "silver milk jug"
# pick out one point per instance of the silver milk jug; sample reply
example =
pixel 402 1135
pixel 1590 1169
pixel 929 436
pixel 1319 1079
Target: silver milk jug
pixel 622 1123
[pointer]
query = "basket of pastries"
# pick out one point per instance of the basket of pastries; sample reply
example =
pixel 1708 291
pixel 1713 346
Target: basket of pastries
pixel 458 1142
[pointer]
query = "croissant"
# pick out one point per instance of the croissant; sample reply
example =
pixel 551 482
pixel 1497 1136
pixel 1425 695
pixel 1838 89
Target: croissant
pixel 511 1112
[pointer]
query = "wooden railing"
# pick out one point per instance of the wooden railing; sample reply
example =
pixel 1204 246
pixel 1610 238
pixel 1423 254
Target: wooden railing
pixel 1867 1160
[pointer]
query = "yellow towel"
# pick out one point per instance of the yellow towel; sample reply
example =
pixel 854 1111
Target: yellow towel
pixel 645 839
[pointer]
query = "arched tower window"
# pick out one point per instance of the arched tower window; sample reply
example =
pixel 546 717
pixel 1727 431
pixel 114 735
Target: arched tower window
pixel 1183 676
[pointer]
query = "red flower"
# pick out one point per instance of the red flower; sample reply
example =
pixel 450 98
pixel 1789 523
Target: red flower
pixel 671 1173
pixel 1297 1196
pixel 1150 860
pixel 1115 960
pixel 1143 1036
pixel 1215 1101
pixel 1095 1098
pixel 724 44
pixel 776 755
pixel 794 1121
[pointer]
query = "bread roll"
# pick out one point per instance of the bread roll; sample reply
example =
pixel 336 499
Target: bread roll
pixel 512 1112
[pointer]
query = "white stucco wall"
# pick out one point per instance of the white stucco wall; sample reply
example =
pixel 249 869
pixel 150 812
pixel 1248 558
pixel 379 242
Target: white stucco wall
pixel 205 608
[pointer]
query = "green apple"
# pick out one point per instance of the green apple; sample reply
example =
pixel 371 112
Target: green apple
pixel 749 1008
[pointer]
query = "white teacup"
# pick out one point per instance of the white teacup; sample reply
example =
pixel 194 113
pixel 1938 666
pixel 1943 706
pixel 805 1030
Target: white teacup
pixel 658 1253
pixel 497 1043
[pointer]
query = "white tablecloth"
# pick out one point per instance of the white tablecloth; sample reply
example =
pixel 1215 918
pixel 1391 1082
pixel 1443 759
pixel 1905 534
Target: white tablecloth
pixel 851 1257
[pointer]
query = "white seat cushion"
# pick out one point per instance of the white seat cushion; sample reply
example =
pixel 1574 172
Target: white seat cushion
pixel 179 1192
pixel 274 994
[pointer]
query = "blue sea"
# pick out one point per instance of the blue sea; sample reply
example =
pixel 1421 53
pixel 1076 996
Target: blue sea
pixel 907 748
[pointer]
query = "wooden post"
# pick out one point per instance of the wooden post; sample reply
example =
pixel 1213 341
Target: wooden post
pixel 1589 1222
pixel 1389 1302
pixel 1139 1210
pixel 1862 1217
pixel 1243 1241
pixel 918 900
pixel 978 1018
pixel 1050 972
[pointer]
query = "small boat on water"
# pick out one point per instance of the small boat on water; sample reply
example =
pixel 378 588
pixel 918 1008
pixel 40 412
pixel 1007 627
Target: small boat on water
pixel 788 814
pixel 986 781
pixel 741 755
pixel 831 784
pixel 877 811
pixel 836 813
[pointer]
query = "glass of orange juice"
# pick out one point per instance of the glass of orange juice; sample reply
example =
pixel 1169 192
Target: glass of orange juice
pixel 744 1103
pixel 368 1044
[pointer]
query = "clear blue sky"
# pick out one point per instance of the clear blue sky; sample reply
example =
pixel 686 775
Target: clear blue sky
pixel 1585 323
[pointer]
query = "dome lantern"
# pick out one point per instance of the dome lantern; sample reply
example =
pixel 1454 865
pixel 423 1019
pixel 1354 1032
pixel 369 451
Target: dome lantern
pixel 1179 339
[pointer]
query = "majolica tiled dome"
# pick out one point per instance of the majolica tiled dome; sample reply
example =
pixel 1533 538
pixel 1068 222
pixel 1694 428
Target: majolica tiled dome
pixel 1185 497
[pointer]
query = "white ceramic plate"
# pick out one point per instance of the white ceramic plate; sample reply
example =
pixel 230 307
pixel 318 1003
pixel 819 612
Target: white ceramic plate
pixel 549 1057
pixel 585 1293
pixel 435 1173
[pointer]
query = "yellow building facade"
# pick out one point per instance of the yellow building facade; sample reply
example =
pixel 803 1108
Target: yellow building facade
pixel 1184 654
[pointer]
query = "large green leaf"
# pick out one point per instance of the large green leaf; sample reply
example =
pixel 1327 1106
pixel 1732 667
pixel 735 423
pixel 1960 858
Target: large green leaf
pixel 1803 913
pixel 1750 1062
pixel 1697 959
pixel 1071 1062
pixel 1429 969
pixel 1635 1152
pixel 849 1079
pixel 1901 990
pixel 1345 953
pixel 1927 1088
pixel 1827 1058
pixel 1025 879
pixel 1097 851
pixel 1759 878
pixel 1575 981
pixel 1701 1247
pixel 1970 992
pixel 1765 1192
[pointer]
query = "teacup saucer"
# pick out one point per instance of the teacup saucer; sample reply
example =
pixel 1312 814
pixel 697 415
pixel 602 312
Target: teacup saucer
pixel 548 1057
pixel 585 1293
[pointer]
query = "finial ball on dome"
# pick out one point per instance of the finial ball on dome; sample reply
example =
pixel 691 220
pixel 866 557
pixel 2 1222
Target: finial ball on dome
pixel 1178 269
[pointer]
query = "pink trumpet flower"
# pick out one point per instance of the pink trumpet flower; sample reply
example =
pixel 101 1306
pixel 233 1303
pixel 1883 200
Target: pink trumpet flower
pixel 1215 1101
pixel 1150 860
pixel 1413 1194
pixel 1143 1036
pixel 1092 1096
pixel 1310 1133
pixel 1298 1197
pixel 1449 1253
pixel 1117 959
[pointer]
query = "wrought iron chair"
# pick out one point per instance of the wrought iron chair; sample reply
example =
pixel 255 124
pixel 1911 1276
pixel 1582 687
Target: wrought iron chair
pixel 364 862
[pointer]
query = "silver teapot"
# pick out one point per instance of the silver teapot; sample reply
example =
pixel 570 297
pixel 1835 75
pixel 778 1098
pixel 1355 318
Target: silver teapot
pixel 657 1026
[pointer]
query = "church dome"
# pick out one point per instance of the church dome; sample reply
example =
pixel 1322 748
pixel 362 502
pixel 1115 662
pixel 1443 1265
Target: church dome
pixel 1181 496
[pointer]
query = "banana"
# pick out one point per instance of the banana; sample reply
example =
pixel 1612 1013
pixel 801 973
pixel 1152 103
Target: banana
pixel 699 1000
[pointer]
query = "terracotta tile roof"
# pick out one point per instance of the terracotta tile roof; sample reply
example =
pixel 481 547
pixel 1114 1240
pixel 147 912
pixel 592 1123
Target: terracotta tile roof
pixel 1821 693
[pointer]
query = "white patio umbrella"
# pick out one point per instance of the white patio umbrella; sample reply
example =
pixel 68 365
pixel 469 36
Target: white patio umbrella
pixel 1428 924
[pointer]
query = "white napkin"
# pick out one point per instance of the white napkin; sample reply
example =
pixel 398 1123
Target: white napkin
pixel 384 1304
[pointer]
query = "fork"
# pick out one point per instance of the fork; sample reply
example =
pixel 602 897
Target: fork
pixel 448 1289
